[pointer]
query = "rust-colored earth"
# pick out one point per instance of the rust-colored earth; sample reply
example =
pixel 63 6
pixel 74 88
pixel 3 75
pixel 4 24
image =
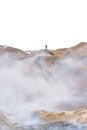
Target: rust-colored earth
pixel 50 58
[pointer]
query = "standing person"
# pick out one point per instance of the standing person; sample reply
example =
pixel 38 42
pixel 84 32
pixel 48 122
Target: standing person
pixel 46 47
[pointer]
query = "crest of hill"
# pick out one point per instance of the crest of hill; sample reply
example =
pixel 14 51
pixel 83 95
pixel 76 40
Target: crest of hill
pixel 13 52
pixel 80 50
pixel 48 56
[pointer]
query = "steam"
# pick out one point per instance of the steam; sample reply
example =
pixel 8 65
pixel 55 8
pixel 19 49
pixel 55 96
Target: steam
pixel 28 86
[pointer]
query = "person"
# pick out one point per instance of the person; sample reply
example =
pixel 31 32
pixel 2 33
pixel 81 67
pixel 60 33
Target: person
pixel 45 47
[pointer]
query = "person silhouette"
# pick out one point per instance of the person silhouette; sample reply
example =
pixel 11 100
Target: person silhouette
pixel 45 47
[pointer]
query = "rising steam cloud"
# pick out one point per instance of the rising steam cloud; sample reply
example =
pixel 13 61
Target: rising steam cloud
pixel 26 88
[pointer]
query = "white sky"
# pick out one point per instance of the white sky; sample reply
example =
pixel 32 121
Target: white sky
pixel 29 24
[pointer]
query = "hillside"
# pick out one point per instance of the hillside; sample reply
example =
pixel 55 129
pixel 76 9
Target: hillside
pixel 47 88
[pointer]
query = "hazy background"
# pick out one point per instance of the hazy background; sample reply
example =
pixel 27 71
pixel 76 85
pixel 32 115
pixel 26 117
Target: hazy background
pixel 29 24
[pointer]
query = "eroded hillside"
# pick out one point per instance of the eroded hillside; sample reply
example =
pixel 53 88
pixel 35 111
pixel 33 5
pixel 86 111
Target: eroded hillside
pixel 42 87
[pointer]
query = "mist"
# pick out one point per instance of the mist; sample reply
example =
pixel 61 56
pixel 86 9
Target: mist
pixel 26 87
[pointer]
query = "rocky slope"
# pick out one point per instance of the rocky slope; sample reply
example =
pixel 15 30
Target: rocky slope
pixel 44 89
